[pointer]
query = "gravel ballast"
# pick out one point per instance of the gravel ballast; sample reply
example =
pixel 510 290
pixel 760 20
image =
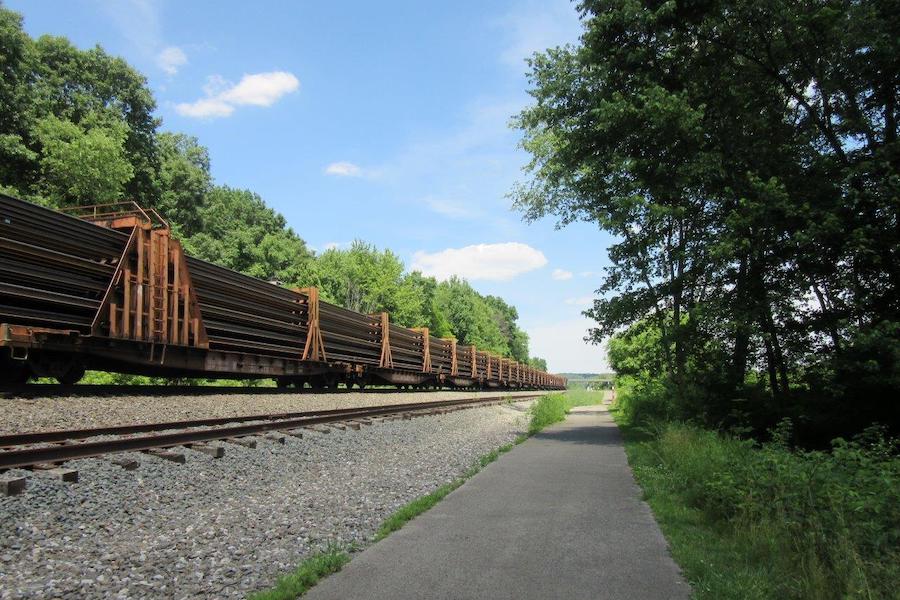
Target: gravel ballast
pixel 39 414
pixel 220 528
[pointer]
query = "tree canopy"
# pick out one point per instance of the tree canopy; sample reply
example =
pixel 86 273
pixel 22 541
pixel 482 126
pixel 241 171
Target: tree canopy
pixel 744 155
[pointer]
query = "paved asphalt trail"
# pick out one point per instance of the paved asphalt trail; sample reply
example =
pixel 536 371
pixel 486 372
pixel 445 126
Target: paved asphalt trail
pixel 558 517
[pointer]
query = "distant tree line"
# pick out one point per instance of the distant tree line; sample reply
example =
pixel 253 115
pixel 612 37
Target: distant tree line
pixel 78 127
pixel 744 155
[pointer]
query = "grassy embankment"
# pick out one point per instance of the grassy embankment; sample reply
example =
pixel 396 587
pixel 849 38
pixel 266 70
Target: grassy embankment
pixel 547 410
pixel 752 521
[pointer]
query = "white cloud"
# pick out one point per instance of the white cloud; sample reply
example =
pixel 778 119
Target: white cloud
pixel 205 108
pixel 562 344
pixel 561 274
pixel 343 169
pixel 495 262
pixel 258 89
pixel 582 301
pixel 171 59
pixel 261 89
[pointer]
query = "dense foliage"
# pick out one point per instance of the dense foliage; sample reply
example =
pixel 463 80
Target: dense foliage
pixel 745 157
pixel 747 520
pixel 77 127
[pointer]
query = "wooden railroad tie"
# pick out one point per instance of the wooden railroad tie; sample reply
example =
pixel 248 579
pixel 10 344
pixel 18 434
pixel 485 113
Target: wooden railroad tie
pixel 245 442
pixel 12 486
pixel 129 464
pixel 170 455
pixel 318 429
pixel 208 449
pixel 57 472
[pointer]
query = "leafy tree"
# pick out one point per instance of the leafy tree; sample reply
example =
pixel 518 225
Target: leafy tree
pixel 505 316
pixel 183 182
pixel 75 84
pixel 538 363
pixel 83 167
pixel 745 158
pixel 363 279
pixel 16 156
pixel 242 233
pixel 421 309
pixel 49 77
pixel 471 317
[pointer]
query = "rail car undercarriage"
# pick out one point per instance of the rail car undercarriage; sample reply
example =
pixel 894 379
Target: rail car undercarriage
pixel 107 288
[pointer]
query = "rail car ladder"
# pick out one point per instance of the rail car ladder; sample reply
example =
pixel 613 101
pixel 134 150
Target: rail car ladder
pixel 150 297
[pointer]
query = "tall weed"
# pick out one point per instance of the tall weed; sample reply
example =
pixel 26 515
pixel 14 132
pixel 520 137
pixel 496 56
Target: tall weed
pixel 828 523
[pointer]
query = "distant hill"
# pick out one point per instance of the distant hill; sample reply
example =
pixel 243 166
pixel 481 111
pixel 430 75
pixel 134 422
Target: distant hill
pixel 587 376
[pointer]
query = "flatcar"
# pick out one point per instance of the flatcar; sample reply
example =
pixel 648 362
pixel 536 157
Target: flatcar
pixel 108 287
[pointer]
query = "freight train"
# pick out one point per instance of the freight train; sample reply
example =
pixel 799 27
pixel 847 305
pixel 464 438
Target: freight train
pixel 108 288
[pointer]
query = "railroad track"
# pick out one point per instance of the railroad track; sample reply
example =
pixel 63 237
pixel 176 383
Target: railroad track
pixel 48 450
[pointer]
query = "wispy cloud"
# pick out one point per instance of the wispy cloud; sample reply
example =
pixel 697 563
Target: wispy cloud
pixel 561 274
pixel 452 209
pixel 343 169
pixel 540 25
pixel 222 97
pixel 492 262
pixel 138 22
pixel 171 59
pixel 466 170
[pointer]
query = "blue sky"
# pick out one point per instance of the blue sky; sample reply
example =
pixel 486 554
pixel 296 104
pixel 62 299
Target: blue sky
pixel 386 122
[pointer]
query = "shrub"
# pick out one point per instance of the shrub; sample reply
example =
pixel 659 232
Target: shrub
pixel 827 522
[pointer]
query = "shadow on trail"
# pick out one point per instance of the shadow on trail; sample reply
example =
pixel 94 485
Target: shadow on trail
pixel 602 434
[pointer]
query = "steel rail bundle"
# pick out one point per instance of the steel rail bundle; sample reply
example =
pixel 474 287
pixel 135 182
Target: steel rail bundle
pixel 108 288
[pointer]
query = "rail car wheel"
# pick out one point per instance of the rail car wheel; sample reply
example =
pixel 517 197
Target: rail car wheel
pixel 14 372
pixel 72 375
pixel 283 382
pixel 324 382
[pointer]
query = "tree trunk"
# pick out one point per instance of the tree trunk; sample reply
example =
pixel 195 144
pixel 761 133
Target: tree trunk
pixel 828 316
pixel 741 330
pixel 773 374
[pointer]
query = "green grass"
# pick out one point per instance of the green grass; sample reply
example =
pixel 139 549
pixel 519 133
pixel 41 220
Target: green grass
pixel 749 521
pixel 305 576
pixel 553 408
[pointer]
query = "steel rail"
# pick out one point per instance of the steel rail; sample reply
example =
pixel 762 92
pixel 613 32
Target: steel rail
pixel 56 435
pixel 12 459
